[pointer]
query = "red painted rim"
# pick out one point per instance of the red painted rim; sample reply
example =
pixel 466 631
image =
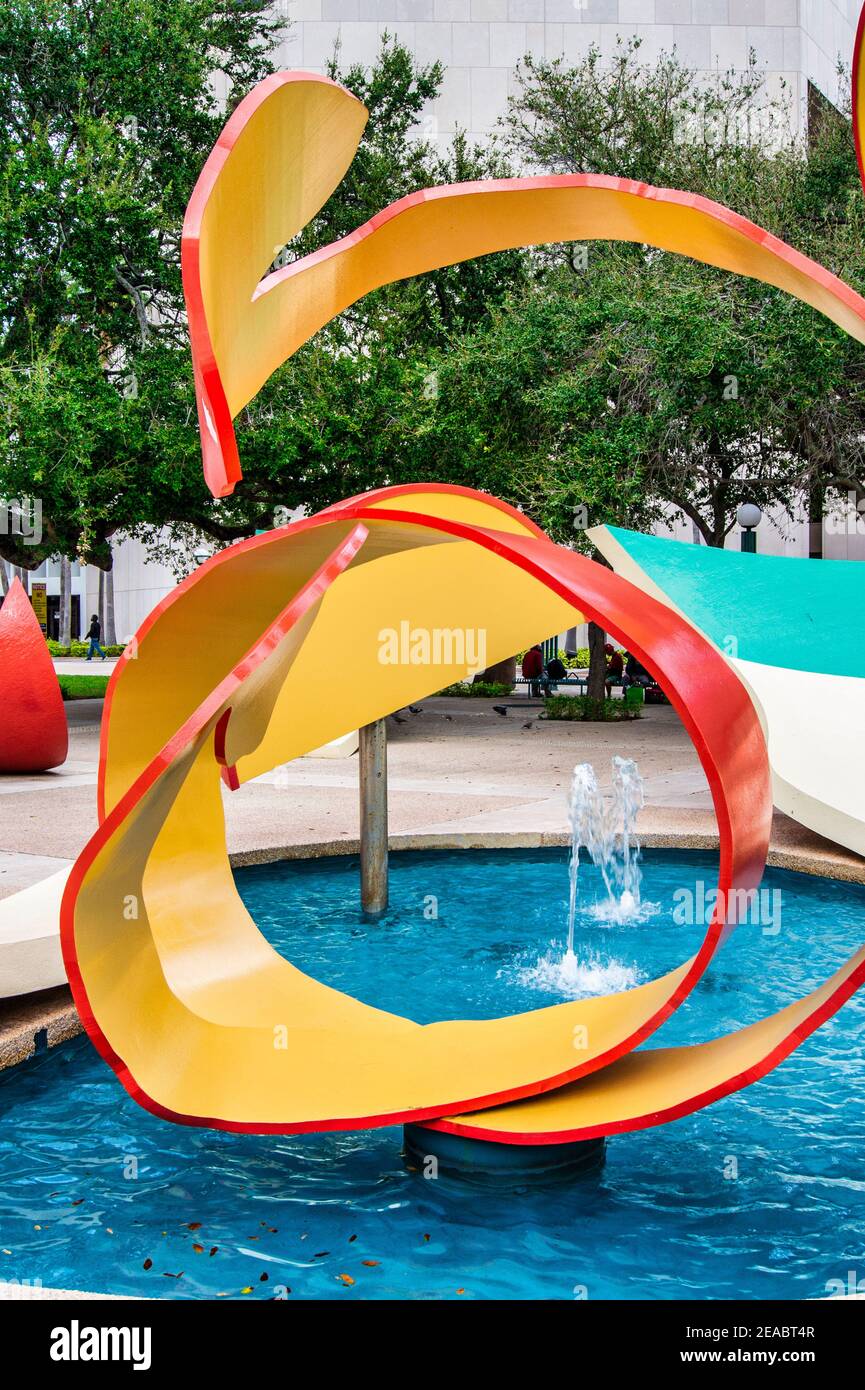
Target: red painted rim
pixel 857 83
pixel 778 1054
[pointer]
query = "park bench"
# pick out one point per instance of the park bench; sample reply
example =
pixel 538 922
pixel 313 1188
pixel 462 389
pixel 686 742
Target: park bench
pixel 552 685
pixel 653 692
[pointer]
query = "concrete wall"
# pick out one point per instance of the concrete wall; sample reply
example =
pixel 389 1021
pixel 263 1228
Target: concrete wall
pixel 139 584
pixel 828 27
pixel 481 41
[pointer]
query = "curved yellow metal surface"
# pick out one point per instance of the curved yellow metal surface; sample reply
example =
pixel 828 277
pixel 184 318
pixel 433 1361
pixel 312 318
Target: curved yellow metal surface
pixel 286 148
pixel 654 1086
pixel 201 1019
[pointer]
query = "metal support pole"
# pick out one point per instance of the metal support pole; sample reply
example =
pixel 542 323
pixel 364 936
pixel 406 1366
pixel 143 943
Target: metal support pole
pixel 372 753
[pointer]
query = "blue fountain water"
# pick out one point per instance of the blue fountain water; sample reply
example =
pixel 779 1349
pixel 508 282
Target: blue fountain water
pixel 92 1188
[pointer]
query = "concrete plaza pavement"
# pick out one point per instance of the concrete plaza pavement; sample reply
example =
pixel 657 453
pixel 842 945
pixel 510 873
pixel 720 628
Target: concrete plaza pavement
pixel 457 768
pixel 80 666
pixel 457 772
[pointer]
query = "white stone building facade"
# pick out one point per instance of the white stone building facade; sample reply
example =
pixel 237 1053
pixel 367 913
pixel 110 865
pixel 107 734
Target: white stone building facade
pixel 480 42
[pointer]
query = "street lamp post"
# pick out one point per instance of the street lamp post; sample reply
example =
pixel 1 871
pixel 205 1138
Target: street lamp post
pixel 749 517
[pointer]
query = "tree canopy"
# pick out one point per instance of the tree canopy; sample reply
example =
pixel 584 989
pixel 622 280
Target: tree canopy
pixel 585 384
pixel 619 382
pixel 107 112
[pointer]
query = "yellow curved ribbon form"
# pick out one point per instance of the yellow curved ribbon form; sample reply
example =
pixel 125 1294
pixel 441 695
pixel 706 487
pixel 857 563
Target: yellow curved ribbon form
pixel 202 1021
pixel 281 155
pixel 655 1086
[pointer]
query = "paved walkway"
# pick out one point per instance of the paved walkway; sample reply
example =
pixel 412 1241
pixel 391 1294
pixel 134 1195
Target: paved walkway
pixel 457 769
pixel 80 666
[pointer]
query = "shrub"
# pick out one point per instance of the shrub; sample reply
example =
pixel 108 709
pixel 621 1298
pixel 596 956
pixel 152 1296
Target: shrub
pixel 580 659
pixel 581 707
pixel 78 649
pixel 478 688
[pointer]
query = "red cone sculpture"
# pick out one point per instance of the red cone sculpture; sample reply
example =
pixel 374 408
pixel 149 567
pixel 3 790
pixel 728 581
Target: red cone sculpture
pixel 33 732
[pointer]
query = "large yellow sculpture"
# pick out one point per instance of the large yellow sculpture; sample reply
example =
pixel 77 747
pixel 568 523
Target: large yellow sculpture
pixel 201 1019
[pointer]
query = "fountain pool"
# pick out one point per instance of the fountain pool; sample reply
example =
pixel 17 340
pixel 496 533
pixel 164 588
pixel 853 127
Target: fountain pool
pixel 761 1196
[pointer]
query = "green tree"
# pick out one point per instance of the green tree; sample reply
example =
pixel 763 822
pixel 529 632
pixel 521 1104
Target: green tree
pixel 621 383
pixel 106 130
pixel 726 390
pixel 107 113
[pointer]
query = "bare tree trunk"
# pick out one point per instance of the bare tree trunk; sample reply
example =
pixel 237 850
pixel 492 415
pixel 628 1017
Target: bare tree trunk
pixel 100 607
pixel 816 504
pixel 4 579
pixel 504 672
pixel 65 633
pixel 109 636
pixel 596 684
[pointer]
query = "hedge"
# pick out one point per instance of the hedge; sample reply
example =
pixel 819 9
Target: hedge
pixel 82 648
pixel 582 707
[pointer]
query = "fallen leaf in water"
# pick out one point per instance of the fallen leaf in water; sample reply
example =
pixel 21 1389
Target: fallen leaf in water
pixel 248 1289
pixel 460 1290
pixel 148 1264
pixel 320 1254
pixel 370 1264
pixel 199 1249
pixel 214 1250
pixel 351 1238
pixel 78 1203
pixel 193 1225
pixel 346 1278
pixel 263 1278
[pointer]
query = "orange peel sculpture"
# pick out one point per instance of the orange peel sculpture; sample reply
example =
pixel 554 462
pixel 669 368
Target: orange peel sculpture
pixel 203 1022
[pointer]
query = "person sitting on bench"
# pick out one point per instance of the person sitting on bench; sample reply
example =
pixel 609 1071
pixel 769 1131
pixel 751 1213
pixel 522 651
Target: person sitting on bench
pixel 556 670
pixel 533 668
pixel 636 673
pixel 615 667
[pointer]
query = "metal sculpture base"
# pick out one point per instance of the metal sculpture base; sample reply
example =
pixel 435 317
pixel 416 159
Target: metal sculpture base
pixel 434 1150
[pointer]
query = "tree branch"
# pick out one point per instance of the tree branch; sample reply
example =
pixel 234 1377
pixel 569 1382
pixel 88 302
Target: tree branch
pixel 140 308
